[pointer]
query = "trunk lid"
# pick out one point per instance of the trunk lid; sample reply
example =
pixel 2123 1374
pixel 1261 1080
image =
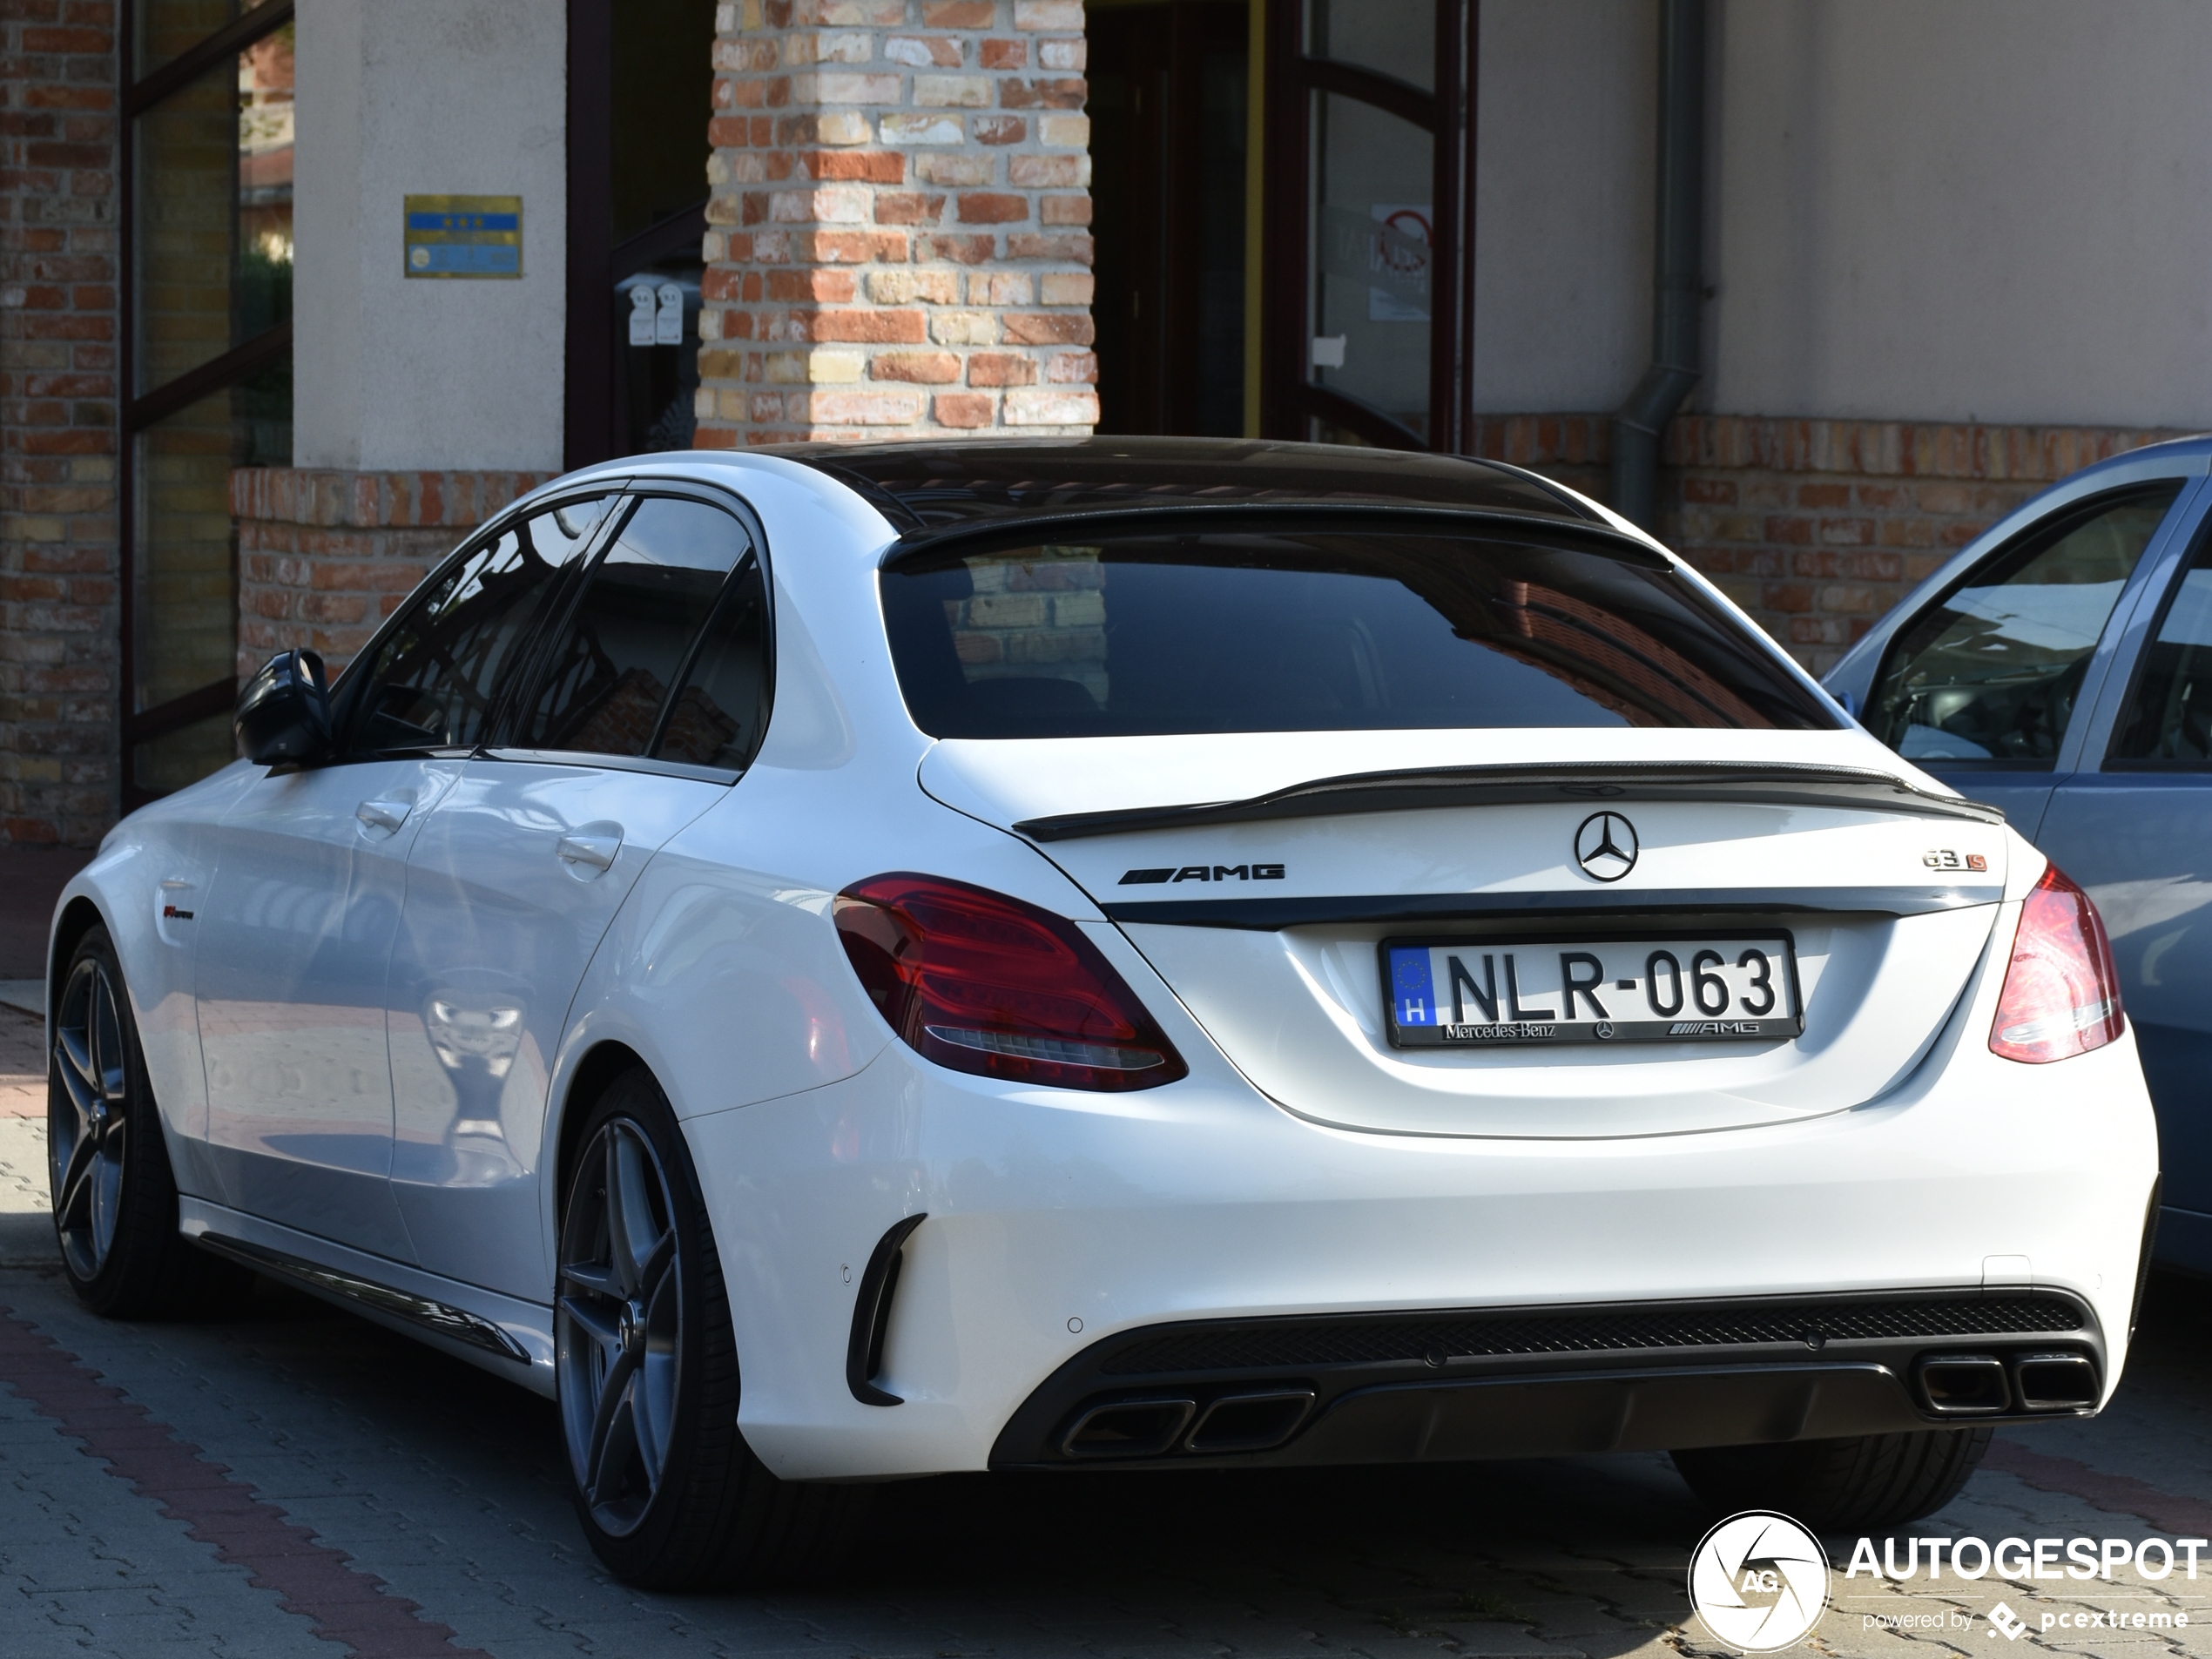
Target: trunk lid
pixel 1262 875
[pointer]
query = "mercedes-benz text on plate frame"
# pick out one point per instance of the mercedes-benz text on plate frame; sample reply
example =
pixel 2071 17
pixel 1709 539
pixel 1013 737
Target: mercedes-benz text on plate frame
pixel 1692 987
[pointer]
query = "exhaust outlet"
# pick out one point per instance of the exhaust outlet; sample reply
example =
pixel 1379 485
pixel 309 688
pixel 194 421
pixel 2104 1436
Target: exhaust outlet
pixel 2054 1382
pixel 1128 1428
pixel 1963 1384
pixel 1256 1422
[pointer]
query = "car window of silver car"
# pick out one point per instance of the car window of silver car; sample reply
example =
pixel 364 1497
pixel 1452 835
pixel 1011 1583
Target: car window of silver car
pixel 2168 718
pixel 1993 672
pixel 637 670
pixel 436 679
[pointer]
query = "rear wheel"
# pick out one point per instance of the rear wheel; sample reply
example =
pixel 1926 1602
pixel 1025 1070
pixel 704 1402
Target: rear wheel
pixel 669 1494
pixel 1864 1484
pixel 115 1198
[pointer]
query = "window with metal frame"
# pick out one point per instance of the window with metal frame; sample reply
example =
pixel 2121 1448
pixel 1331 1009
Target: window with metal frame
pixel 2168 722
pixel 1368 304
pixel 1990 674
pixel 206 355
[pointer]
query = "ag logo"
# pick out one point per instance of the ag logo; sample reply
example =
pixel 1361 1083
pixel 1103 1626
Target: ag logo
pixel 1605 846
pixel 1759 1582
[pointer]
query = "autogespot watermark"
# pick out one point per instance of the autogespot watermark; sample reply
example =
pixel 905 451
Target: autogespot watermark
pixel 2021 1558
pixel 1760 1581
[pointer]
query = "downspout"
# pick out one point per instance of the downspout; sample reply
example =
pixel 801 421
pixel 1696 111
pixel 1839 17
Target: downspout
pixel 1678 242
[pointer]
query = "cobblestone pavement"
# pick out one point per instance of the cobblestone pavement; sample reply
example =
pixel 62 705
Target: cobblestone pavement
pixel 288 1480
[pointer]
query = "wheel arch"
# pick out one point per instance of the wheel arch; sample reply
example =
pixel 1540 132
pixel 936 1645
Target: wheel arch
pixel 601 1064
pixel 78 917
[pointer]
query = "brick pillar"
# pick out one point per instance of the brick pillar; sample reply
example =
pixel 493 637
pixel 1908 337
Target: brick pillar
pixel 324 557
pixel 58 607
pixel 896 245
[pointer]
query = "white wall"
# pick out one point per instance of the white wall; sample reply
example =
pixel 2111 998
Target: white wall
pixel 400 97
pixel 1564 202
pixel 1994 210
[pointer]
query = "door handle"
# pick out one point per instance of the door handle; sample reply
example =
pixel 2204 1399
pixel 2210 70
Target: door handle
pixel 385 815
pixel 596 850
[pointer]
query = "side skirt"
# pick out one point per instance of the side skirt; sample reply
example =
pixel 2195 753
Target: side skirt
pixel 510 1337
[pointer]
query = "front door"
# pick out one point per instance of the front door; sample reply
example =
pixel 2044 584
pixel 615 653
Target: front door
pixel 1989 687
pixel 311 871
pixel 649 703
pixel 294 933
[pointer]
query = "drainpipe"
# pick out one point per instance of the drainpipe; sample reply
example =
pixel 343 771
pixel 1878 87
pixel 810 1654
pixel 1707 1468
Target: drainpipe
pixel 1678 241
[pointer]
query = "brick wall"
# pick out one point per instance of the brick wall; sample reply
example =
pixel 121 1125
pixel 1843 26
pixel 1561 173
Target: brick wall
pixel 1818 526
pixel 59 610
pixel 324 557
pixel 898 240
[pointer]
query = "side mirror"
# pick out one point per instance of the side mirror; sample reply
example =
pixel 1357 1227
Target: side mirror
pixel 284 710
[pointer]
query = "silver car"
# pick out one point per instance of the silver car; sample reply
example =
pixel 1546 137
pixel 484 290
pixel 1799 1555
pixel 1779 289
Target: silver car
pixel 2053 669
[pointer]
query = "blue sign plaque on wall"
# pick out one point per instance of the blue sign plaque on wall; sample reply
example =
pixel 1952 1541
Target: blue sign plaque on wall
pixel 463 236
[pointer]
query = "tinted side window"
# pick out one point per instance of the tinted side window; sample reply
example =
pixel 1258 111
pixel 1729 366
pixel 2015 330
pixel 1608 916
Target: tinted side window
pixel 717 718
pixel 1993 672
pixel 2170 716
pixel 630 637
pixel 436 679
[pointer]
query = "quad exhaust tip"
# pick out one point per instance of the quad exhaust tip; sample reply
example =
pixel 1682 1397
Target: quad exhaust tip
pixel 1987 1385
pixel 1964 1385
pixel 1157 1427
pixel 2054 1382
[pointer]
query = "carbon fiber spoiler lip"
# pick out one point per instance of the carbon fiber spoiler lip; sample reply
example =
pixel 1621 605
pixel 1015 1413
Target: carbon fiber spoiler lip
pixel 1770 784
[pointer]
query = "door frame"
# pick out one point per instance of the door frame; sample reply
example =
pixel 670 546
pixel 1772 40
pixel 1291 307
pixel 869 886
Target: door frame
pixel 1290 402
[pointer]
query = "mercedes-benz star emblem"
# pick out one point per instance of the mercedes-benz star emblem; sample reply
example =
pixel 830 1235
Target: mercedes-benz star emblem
pixel 1606 847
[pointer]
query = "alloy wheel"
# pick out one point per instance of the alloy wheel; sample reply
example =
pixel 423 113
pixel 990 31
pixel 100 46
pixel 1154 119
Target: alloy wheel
pixel 619 1325
pixel 88 1118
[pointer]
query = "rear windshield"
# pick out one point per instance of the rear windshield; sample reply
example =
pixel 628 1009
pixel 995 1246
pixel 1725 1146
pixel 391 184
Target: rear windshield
pixel 1318 633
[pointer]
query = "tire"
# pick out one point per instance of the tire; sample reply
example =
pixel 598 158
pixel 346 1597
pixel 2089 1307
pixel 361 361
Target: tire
pixel 1863 1484
pixel 114 1196
pixel 646 1365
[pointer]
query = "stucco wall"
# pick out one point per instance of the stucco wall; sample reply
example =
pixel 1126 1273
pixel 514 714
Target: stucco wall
pixel 1564 202
pixel 1985 210
pixel 427 97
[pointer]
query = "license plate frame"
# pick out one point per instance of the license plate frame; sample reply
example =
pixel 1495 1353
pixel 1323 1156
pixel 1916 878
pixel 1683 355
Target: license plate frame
pixel 1692 1022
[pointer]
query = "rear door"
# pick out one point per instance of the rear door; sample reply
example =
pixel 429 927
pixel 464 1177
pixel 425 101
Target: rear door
pixel 2134 826
pixel 647 704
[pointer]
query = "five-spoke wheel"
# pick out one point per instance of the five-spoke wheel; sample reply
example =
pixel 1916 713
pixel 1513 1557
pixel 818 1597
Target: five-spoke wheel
pixel 89 1116
pixel 621 1324
pixel 646 1362
pixel 115 1198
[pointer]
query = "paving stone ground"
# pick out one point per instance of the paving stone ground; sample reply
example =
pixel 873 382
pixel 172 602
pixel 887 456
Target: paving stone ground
pixel 441 1486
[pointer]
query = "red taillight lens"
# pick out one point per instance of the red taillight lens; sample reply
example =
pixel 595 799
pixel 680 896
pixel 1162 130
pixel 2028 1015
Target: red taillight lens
pixel 980 982
pixel 2061 996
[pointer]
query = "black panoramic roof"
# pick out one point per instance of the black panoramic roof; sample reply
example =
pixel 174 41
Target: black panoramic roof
pixel 935 487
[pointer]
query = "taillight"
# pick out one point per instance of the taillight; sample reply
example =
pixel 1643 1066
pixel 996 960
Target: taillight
pixel 2061 996
pixel 980 982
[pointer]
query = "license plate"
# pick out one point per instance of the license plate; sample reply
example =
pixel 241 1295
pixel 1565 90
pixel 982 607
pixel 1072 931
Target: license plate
pixel 1696 988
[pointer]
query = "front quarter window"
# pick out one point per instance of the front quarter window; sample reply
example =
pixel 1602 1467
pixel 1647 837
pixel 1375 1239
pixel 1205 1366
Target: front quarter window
pixel 1991 672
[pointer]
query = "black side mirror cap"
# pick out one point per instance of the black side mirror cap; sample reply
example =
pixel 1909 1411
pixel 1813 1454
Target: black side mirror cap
pixel 284 710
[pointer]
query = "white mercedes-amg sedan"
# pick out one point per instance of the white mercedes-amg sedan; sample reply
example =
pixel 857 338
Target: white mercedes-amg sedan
pixel 860 961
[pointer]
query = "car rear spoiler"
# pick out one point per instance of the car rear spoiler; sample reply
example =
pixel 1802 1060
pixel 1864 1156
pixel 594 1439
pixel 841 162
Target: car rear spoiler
pixel 1770 784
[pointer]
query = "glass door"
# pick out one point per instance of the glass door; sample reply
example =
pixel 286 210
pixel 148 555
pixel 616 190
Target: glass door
pixel 1369 277
pixel 207 224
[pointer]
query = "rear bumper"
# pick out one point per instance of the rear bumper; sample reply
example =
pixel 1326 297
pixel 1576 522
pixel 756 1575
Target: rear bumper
pixel 1448 1385
pixel 1056 1220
